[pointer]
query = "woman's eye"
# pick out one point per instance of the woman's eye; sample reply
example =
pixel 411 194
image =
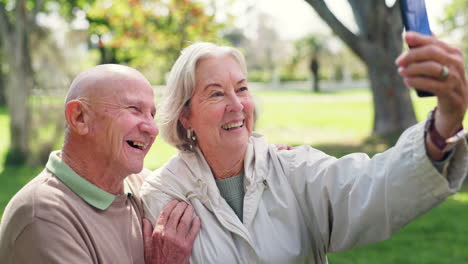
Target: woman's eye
pixel 216 94
pixel 243 89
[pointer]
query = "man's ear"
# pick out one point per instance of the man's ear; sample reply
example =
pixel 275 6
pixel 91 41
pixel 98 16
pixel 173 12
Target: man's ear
pixel 184 117
pixel 77 117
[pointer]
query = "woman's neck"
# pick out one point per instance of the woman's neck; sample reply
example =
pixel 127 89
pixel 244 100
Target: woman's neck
pixel 225 164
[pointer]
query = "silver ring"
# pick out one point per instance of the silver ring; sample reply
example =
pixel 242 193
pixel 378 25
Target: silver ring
pixel 444 73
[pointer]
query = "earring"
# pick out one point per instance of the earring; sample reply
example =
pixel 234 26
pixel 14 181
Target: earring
pixel 192 139
pixel 189 133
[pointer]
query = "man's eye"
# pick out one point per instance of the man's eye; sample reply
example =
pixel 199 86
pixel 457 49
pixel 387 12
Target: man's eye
pixel 243 89
pixel 134 108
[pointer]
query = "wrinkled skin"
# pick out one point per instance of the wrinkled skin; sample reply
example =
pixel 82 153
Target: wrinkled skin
pixel 421 68
pixel 172 239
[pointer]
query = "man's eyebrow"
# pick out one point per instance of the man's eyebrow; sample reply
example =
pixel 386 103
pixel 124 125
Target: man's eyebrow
pixel 241 81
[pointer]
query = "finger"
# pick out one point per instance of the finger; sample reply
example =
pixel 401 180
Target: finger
pixel 185 220
pixel 415 39
pixel 427 84
pixel 423 53
pixel 428 68
pixel 148 240
pixel 175 215
pixel 434 54
pixel 166 212
pixel 194 229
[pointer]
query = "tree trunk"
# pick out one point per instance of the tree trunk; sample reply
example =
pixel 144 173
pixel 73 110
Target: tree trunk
pixel 393 109
pixel 378 43
pixel 18 87
pixel 19 83
pixel 2 89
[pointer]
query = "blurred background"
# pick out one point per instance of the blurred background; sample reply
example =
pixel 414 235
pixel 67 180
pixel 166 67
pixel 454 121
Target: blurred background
pixel 322 73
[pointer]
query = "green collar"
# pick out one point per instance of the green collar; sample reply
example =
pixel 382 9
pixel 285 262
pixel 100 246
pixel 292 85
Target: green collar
pixel 87 191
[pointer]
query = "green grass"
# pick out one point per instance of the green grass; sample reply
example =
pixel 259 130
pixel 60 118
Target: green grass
pixel 438 237
pixel 337 123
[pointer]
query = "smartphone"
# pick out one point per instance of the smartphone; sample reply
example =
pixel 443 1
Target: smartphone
pixel 415 19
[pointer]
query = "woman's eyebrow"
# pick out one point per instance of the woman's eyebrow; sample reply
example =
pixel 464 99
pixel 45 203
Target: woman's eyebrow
pixel 212 84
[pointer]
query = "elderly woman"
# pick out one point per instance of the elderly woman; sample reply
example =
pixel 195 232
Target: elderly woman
pixel 258 204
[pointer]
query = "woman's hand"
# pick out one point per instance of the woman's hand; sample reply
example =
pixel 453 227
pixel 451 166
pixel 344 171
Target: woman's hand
pixel 434 66
pixel 172 239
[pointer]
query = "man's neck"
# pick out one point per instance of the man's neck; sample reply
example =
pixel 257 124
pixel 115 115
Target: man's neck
pixel 102 175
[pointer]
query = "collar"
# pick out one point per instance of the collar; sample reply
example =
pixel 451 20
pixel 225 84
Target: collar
pixel 87 191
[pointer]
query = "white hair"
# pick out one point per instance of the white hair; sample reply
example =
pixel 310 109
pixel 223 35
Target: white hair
pixel 181 87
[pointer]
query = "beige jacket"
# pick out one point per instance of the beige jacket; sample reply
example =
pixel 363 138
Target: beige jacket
pixel 300 204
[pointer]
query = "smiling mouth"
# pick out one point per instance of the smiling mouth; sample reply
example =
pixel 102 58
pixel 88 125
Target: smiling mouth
pixel 233 125
pixel 136 144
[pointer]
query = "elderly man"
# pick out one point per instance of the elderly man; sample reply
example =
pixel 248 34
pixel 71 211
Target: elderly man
pixel 84 207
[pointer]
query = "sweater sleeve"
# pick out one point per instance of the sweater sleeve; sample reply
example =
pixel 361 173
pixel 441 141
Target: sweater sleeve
pixel 45 242
pixel 356 200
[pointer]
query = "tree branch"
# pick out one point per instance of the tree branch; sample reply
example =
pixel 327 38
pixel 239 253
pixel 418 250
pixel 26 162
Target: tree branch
pixel 37 7
pixel 356 43
pixel 31 24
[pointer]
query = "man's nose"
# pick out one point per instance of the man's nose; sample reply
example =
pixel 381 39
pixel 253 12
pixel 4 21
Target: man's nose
pixel 150 127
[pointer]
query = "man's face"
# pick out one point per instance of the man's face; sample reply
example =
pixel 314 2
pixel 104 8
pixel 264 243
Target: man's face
pixel 123 127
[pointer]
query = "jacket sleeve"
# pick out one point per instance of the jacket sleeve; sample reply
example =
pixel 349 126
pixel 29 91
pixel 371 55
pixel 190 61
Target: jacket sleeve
pixel 356 200
pixel 156 194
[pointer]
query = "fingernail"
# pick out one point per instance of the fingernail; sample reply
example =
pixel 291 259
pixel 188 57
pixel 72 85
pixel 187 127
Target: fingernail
pixel 398 60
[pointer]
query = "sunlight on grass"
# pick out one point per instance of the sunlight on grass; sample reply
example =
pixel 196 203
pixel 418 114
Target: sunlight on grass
pixel 4 135
pixel 460 197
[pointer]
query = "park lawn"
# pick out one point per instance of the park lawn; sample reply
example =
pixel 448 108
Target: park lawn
pixel 437 237
pixel 337 123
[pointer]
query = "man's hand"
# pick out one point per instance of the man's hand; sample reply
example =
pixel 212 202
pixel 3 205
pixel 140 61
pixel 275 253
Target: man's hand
pixel 173 236
pixel 281 146
pixel 437 67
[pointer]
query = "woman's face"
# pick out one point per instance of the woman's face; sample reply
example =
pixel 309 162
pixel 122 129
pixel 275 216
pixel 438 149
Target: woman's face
pixel 221 109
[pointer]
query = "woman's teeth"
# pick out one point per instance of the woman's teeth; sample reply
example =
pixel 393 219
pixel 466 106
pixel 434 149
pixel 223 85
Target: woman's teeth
pixel 233 125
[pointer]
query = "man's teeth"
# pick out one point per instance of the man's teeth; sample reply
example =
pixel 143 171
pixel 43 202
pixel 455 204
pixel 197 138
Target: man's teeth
pixel 136 144
pixel 233 125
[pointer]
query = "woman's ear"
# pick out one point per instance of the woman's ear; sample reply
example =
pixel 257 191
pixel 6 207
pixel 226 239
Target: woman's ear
pixel 184 117
pixel 77 117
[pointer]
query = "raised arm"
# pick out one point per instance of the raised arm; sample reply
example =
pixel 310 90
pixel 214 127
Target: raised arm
pixel 437 67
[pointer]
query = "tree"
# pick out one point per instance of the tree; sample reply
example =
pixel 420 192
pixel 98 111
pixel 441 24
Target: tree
pixel 456 21
pixel 149 35
pixel 311 47
pixel 18 22
pixel 377 44
pixel 2 83
pixel 15 26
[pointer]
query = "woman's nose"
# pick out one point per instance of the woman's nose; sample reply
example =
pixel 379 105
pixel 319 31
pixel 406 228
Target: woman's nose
pixel 235 104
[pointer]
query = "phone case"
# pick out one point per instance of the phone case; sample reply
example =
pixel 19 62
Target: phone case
pixel 415 16
pixel 415 19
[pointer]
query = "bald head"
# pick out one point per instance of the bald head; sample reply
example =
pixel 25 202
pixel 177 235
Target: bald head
pixel 110 124
pixel 101 79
